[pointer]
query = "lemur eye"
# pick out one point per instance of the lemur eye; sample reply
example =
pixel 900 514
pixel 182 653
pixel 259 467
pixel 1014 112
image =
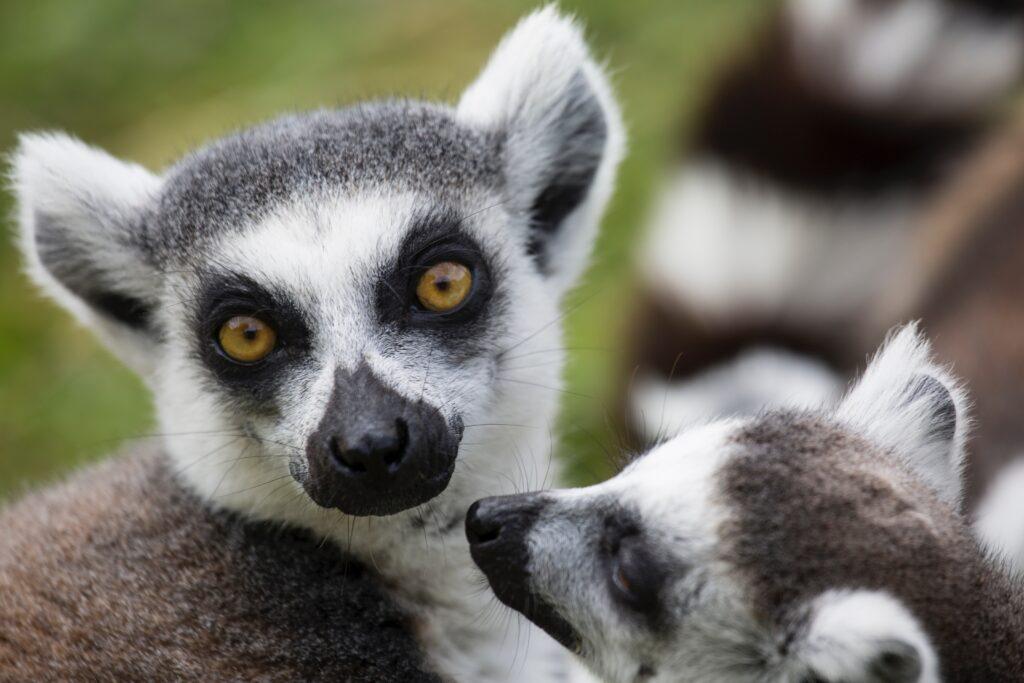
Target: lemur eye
pixel 245 339
pixel 444 286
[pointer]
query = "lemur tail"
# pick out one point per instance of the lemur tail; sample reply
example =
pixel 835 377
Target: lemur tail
pixel 861 96
pixel 813 155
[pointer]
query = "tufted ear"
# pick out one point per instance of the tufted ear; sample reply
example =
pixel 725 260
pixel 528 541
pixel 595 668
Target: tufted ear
pixel 909 404
pixel 863 636
pixel 563 136
pixel 80 214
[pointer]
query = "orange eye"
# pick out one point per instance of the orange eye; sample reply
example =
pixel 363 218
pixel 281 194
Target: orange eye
pixel 444 286
pixel 246 339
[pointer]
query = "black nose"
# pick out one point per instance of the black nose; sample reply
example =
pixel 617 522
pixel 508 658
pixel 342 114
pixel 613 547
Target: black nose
pixel 375 452
pixel 498 530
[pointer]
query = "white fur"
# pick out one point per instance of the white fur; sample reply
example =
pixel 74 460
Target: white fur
pixel 729 247
pixel 91 194
pixel 520 91
pixel 849 629
pixel 999 521
pixel 881 408
pixel 326 249
pixel 675 496
pixel 323 250
pixel 761 378
pixel 923 56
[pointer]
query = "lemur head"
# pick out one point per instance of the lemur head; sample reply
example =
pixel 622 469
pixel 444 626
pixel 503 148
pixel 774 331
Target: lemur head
pixel 777 547
pixel 322 304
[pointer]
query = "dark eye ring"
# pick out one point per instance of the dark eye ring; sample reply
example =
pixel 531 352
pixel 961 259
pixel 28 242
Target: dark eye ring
pixel 635 577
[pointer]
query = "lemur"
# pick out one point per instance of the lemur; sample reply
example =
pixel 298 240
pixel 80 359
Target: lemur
pixel 329 309
pixel 820 544
pixel 796 198
pixel 964 282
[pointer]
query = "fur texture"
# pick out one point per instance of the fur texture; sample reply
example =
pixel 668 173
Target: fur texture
pixel 320 224
pixel 794 545
pixel 261 601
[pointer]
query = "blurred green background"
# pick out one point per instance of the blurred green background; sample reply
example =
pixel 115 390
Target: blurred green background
pixel 149 80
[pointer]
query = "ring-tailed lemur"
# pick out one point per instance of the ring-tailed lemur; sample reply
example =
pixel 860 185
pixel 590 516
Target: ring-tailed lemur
pixel 964 284
pixel 808 164
pixel 329 309
pixel 814 545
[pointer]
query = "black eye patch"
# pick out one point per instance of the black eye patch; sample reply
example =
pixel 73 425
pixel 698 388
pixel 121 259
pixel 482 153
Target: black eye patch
pixel 636 573
pixel 436 238
pixel 226 295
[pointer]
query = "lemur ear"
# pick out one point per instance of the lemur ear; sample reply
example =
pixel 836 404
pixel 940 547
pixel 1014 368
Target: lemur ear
pixel 863 636
pixel 80 214
pixel 563 136
pixel 908 403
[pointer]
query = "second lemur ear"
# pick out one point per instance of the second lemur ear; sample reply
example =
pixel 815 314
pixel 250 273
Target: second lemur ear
pixel 562 136
pixel 81 214
pixel 914 407
pixel 862 635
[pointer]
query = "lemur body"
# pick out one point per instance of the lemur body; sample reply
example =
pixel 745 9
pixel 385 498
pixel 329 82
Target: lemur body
pixel 328 309
pixel 797 199
pixel 816 545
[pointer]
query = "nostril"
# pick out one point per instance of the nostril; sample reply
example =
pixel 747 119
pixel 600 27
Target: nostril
pixel 352 460
pixel 480 530
pixel 393 449
pixel 489 534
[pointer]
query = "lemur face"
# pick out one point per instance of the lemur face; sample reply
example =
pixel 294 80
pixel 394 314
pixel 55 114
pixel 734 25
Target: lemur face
pixel 727 553
pixel 325 304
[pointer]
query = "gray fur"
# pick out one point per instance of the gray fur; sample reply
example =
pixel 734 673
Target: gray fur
pixel 817 508
pixel 398 145
pixel 121 574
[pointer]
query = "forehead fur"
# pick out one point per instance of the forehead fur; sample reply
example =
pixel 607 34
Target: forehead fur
pixel 813 507
pixel 397 145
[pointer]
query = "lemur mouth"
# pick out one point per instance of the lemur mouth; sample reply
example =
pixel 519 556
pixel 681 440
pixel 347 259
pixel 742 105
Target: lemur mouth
pixel 376 452
pixel 497 530
pixel 363 501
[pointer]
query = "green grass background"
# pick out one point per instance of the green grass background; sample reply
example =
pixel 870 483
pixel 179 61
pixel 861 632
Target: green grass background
pixel 149 80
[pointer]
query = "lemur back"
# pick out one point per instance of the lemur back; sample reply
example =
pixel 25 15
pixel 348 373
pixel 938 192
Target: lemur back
pixel 121 573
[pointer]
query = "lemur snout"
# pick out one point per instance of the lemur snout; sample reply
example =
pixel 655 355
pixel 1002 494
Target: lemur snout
pixel 498 530
pixel 376 452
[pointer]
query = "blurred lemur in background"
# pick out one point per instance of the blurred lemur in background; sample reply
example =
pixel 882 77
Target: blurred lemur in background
pixel 819 545
pixel 779 236
pixel 329 309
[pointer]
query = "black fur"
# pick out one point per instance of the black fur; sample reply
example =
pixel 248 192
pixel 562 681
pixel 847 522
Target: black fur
pixel 461 333
pixel 764 121
pixel 224 295
pixel 579 148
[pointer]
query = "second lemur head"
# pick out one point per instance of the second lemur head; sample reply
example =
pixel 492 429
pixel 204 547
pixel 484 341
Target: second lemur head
pixel 324 303
pixel 795 545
